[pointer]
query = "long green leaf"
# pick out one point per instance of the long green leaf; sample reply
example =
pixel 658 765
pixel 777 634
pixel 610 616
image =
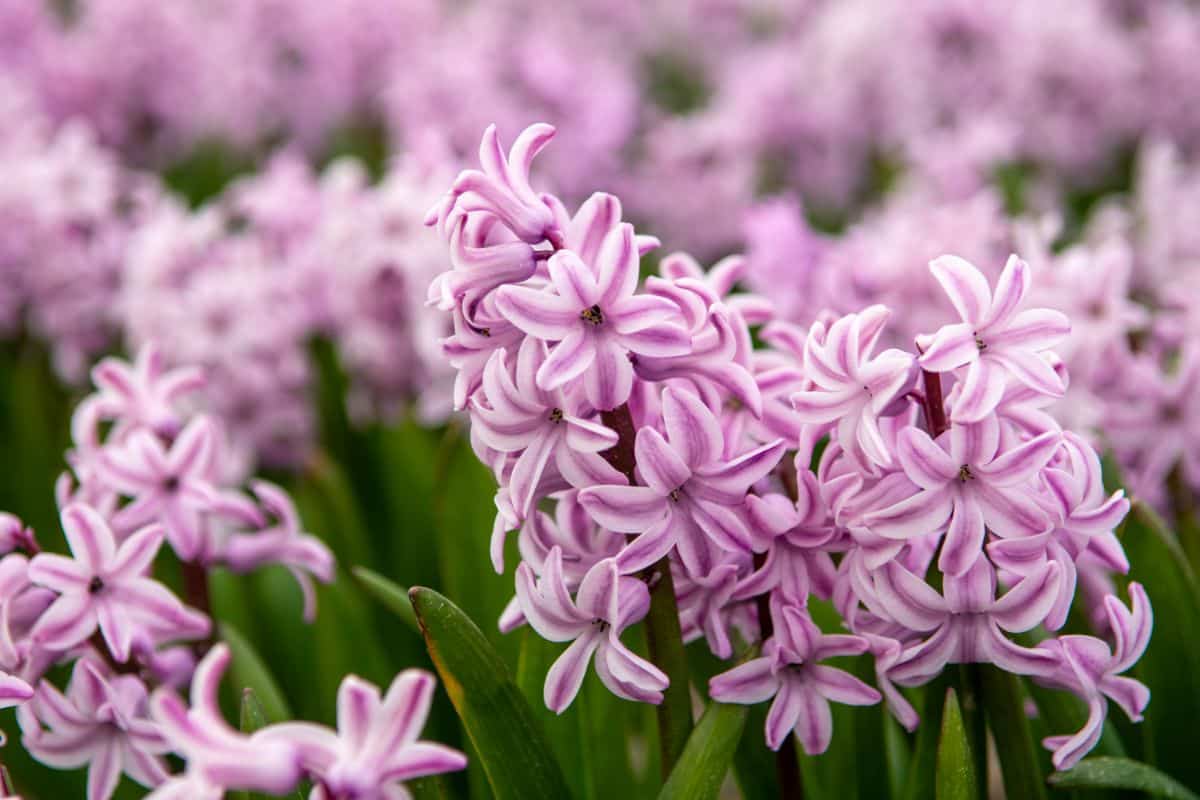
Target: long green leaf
pixel 391 596
pixel 251 716
pixel 1107 772
pixel 1004 706
pixel 922 769
pixel 248 670
pixel 708 754
pixel 501 725
pixel 1172 661
pixel 956 778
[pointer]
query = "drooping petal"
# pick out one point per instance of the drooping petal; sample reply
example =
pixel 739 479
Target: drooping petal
pixel 625 509
pixel 963 544
pixel 982 390
pixel 567 673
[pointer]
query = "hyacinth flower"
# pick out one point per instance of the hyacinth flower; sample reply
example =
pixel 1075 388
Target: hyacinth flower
pixel 216 754
pixel 1092 669
pixel 994 340
pixel 105 586
pixel 1083 518
pixel 595 320
pixel 102 722
pixel 852 387
pixel 512 414
pixel 375 746
pixel 144 393
pixel 282 541
pixel 966 623
pixel 604 606
pixel 173 484
pixel 968 479
pixel 692 495
pixel 789 671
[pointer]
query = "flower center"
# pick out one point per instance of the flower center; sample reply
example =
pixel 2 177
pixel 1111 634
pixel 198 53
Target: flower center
pixel 980 343
pixel 95 585
pixel 593 315
pixel 171 484
pixel 964 473
pixel 556 415
pixel 601 624
pixel 674 495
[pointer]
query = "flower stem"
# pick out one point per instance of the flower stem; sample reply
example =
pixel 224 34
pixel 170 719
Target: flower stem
pixel 935 409
pixel 664 638
pixel 787 764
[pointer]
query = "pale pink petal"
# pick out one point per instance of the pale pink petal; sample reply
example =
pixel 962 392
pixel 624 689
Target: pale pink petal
pixel 691 427
pixel 537 312
pixel 749 683
pixel 567 673
pixel 569 359
pixel 965 286
pixel 626 509
pixel 1010 290
pixel 953 346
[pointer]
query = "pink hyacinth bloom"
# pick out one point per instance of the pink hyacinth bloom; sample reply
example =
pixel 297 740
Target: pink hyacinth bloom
pixel 172 485
pixel 595 320
pixel 798 536
pixel 515 415
pixel 994 339
pixel 106 587
pixel 1084 518
pixel 966 623
pixel 852 387
pixel 375 746
pixel 692 493
pixel 966 479
pixel 606 604
pixel 101 722
pixel 789 671
pixel 1092 669
pixel 143 393
pixel 282 542
pixel 216 754
pixel 502 186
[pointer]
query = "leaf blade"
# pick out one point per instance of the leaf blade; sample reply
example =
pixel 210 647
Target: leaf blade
pixel 391 596
pixel 512 746
pixel 1110 772
pixel 956 778
pixel 708 754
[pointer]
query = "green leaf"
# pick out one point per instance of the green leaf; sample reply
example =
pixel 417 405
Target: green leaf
pixel 511 744
pixel 394 598
pixel 252 716
pixel 701 769
pixel 247 670
pixel 1108 772
pixel 922 770
pixel 956 778
pixel 1172 660
pixel 1004 705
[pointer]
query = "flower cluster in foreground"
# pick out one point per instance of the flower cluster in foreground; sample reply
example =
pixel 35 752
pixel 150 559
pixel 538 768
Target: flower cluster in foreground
pixel 641 441
pixel 147 473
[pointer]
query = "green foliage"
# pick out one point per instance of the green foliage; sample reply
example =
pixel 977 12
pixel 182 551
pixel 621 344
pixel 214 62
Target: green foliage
pixel 706 759
pixel 1108 772
pixel 956 778
pixel 508 740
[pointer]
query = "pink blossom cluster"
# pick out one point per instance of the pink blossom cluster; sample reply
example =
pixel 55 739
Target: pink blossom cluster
pixel 636 434
pixel 657 100
pixel 97 254
pixel 147 469
pixel 1128 280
